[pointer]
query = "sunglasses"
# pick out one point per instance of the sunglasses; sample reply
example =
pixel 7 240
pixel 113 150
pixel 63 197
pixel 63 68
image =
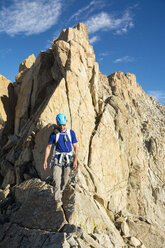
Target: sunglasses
pixel 62 125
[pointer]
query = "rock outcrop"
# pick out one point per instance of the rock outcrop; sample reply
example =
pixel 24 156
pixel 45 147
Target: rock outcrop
pixel 116 197
pixel 24 67
pixel 4 84
pixel 7 105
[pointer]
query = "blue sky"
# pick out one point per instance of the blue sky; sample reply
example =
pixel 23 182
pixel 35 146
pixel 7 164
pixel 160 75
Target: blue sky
pixel 127 35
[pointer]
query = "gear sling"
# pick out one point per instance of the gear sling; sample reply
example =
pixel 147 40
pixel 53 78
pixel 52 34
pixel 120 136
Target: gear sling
pixel 63 156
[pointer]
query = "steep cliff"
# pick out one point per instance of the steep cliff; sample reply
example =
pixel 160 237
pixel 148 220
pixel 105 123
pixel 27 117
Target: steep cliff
pixel 116 197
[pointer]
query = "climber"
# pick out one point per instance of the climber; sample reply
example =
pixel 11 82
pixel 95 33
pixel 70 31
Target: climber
pixel 62 159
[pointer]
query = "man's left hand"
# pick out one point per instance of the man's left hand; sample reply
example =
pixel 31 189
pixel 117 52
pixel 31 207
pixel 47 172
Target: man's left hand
pixel 74 164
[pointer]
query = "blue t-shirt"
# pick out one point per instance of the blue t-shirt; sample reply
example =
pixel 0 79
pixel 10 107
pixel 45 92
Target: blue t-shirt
pixel 63 144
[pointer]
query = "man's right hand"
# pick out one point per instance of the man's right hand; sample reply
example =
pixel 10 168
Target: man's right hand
pixel 45 165
pixel 47 152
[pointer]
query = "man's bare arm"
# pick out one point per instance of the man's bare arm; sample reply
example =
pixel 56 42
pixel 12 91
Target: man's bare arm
pixel 75 155
pixel 47 153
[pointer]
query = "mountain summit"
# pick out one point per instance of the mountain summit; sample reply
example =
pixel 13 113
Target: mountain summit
pixel 116 196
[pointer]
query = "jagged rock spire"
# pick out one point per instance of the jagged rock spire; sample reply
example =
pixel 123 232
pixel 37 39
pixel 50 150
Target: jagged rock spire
pixel 121 136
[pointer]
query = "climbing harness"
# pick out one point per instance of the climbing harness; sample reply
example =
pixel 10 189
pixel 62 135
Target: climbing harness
pixel 64 157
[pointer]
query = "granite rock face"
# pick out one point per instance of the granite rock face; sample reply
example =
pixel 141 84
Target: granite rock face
pixel 24 67
pixel 4 84
pixel 7 105
pixel 116 197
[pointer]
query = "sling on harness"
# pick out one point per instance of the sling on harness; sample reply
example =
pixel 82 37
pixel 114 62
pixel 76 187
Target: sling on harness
pixel 63 156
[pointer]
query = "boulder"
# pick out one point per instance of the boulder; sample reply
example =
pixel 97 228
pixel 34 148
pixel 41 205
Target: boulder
pixel 134 242
pixel 8 173
pixel 4 193
pixel 31 213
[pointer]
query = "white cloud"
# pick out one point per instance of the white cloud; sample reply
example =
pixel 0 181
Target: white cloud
pixel 97 22
pixel 48 44
pixel 29 16
pixel 104 21
pixel 94 39
pixel 125 28
pixel 88 9
pixel 50 40
pixel 159 95
pixel 124 59
pixel 56 34
pixel 104 54
pixel 4 52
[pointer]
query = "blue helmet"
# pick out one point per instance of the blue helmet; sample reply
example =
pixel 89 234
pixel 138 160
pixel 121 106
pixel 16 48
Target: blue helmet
pixel 61 119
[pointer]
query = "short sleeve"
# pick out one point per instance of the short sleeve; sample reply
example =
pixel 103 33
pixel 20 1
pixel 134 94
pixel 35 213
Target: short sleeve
pixel 73 136
pixel 52 139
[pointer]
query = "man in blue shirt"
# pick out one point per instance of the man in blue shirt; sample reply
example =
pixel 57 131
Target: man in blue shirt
pixel 63 158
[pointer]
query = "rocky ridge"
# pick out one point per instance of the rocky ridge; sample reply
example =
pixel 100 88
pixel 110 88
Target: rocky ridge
pixel 116 197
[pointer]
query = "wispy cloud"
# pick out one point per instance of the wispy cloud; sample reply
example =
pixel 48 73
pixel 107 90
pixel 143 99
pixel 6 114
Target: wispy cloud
pixel 93 5
pixel 94 39
pixel 159 95
pixel 4 52
pixel 124 59
pixel 97 22
pixel 48 44
pixel 104 22
pixel 29 16
pixel 50 40
pixel 102 55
